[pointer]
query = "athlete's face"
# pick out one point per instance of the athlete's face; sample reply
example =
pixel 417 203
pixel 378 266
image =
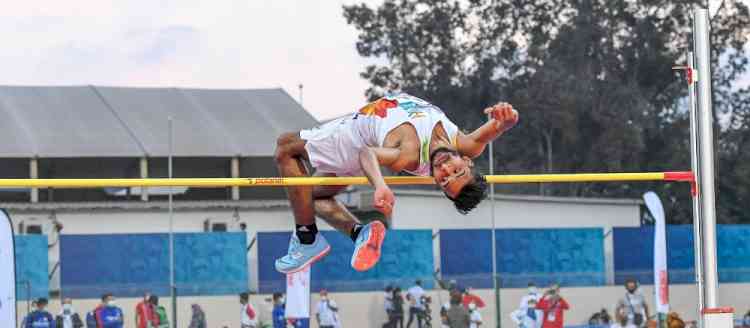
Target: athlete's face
pixel 451 171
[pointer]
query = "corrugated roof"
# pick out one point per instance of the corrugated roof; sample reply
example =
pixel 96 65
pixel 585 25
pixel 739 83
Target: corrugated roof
pixel 66 122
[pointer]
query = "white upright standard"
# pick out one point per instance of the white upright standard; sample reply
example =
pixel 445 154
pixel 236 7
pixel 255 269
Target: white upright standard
pixel 7 272
pixel 713 316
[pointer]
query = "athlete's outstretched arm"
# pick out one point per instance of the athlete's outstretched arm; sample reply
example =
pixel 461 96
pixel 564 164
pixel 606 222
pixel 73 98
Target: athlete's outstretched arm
pixel 503 117
pixel 370 159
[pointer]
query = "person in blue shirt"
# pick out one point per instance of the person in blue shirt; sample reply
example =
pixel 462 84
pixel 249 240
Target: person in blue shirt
pixel 279 318
pixel 40 318
pixel 110 315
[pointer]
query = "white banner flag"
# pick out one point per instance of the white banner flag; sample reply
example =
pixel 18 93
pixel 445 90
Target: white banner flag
pixel 661 281
pixel 7 272
pixel 298 294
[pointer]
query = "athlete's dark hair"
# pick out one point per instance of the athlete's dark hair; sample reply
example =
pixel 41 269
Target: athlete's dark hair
pixel 471 194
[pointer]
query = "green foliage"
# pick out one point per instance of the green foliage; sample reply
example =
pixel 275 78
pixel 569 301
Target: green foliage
pixel 592 80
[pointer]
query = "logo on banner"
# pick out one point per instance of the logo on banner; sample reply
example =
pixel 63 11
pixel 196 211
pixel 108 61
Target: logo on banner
pixel 663 287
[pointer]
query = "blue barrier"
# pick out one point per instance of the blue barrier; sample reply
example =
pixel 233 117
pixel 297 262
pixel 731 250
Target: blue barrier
pixel 571 257
pixel 130 264
pixel 31 267
pixel 634 249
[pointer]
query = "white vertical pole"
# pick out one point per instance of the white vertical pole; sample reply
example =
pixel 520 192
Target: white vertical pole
pixel 498 317
pixel 144 175
pixel 235 172
pixel 172 286
pixel 695 165
pixel 34 174
pixel 706 190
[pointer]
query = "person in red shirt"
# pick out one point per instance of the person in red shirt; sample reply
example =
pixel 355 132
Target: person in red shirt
pixel 145 314
pixel 469 298
pixel 552 305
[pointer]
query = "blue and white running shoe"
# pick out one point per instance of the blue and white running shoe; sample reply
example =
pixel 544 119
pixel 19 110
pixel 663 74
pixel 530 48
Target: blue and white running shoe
pixel 299 255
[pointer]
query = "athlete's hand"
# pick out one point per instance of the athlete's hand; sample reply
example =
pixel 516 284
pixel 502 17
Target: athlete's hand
pixel 503 115
pixel 384 200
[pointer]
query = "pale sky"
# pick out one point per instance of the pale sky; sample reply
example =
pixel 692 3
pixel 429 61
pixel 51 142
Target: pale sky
pixel 187 43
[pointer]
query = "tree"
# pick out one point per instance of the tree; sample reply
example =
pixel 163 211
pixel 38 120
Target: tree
pixel 591 78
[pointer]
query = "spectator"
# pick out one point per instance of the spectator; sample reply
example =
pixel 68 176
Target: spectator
pixel 68 317
pixel 633 305
pixel 746 319
pixel 247 312
pixel 198 319
pixel 674 320
pixel 388 304
pixel 533 293
pixel 527 315
pixel 475 318
pixel 327 314
pixel 40 318
pixel 552 305
pixel 159 312
pixel 145 314
pixel 469 298
pixel 109 315
pixel 414 296
pixel 279 318
pixel 454 314
pixel 91 316
pixel 397 320
pixel 600 318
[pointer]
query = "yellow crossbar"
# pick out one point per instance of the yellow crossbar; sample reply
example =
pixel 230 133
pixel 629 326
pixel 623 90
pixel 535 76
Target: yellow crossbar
pixel 332 181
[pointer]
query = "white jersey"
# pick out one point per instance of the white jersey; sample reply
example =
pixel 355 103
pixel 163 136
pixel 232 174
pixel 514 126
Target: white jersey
pixel 327 312
pixel 334 147
pixel 415 294
pixel 475 319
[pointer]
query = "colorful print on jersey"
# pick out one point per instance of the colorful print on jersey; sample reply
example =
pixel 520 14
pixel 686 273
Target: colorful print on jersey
pixel 378 107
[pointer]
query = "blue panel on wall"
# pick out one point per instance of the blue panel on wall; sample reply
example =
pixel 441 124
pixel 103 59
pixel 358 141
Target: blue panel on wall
pixel 733 253
pixel 466 257
pixel 129 264
pixel 571 257
pixel 634 254
pixel 407 256
pixel 211 263
pixel 31 266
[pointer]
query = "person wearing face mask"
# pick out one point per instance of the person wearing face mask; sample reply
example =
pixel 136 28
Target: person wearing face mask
pixel 40 318
pixel 145 314
pixel 526 315
pixel 633 305
pixel 535 295
pixel 328 312
pixel 68 317
pixel 110 315
pixel 553 306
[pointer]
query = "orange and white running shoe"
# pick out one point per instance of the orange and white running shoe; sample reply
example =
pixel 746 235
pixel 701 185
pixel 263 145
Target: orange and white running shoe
pixel 367 247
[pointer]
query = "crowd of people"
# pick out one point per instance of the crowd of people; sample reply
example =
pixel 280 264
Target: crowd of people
pixel 461 311
pixel 537 309
pixel 106 314
pixel 546 310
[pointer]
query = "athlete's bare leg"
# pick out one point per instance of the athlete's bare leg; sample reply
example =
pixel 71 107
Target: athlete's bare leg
pixel 290 151
pixel 331 210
